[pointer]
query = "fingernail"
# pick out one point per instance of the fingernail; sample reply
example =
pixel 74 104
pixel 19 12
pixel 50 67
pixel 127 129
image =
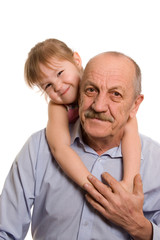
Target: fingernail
pixel 86 185
pixel 90 177
pixel 139 177
pixel 104 174
pixel 86 196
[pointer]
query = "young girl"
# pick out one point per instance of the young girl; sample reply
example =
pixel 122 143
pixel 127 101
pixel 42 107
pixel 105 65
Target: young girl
pixel 57 71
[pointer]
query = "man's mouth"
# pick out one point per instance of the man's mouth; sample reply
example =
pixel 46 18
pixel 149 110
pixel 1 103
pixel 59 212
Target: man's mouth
pixel 100 116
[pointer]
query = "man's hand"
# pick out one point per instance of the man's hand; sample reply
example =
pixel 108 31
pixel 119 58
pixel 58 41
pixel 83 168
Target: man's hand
pixel 119 206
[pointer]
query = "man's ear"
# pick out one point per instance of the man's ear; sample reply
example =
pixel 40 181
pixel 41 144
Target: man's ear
pixel 77 60
pixel 136 105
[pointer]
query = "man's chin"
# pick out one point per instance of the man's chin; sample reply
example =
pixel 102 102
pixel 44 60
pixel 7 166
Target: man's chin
pixel 96 128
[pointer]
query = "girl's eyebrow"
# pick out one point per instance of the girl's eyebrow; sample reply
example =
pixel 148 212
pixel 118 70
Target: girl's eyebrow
pixel 42 85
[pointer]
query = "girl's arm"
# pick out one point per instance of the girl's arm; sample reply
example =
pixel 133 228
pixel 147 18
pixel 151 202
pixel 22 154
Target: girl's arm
pixel 131 151
pixel 58 137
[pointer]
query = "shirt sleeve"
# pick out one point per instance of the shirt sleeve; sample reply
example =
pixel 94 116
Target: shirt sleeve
pixel 17 195
pixel 156 232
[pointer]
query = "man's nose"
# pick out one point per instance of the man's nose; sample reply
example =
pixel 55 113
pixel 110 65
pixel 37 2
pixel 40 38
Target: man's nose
pixel 100 103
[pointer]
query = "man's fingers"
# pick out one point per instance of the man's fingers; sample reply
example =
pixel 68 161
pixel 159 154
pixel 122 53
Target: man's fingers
pixel 114 185
pixel 96 194
pixel 96 205
pixel 101 187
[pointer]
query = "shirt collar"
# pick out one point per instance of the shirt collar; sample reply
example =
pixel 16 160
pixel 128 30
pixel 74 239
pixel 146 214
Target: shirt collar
pixel 75 131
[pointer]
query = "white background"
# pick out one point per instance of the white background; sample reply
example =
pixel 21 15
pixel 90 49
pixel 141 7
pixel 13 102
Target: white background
pixel 87 26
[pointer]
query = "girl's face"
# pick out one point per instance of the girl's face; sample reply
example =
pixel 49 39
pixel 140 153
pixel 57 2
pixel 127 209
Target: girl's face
pixel 61 81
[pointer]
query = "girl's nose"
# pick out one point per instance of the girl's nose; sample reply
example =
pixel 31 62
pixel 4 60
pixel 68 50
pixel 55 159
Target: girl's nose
pixel 57 86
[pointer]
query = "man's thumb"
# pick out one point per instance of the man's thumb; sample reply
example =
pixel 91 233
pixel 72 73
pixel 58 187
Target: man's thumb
pixel 138 186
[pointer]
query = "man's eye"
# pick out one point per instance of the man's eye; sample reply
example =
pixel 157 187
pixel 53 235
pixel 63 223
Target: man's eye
pixel 91 90
pixel 59 73
pixel 116 94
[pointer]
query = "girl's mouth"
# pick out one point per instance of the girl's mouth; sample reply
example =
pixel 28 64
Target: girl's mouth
pixel 65 91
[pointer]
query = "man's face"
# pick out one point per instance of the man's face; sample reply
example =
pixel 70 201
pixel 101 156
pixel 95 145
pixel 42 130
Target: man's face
pixel 107 96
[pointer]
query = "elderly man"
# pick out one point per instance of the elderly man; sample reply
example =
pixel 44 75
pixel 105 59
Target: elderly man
pixel 110 88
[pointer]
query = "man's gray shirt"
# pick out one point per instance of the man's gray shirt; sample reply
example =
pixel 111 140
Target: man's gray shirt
pixel 60 211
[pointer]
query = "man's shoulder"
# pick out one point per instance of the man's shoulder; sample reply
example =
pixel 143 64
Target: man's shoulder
pixel 41 134
pixel 34 149
pixel 149 146
pixel 37 140
pixel 148 140
pixel 150 169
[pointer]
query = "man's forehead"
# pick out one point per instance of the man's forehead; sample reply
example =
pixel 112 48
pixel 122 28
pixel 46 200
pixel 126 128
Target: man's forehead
pixel 103 76
pixel 114 68
pixel 109 62
pixel 104 72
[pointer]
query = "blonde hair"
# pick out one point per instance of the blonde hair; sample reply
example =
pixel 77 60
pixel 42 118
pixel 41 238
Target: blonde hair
pixel 42 53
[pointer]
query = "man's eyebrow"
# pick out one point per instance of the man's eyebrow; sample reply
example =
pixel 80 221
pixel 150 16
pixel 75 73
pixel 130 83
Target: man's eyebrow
pixel 117 87
pixel 89 83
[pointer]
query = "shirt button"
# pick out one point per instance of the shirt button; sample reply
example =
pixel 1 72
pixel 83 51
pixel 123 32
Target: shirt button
pixel 85 223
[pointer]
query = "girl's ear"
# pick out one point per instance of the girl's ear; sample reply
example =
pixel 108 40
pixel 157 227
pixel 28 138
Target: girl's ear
pixel 77 60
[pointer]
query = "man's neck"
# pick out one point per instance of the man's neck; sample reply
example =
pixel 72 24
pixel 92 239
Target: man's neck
pixel 101 145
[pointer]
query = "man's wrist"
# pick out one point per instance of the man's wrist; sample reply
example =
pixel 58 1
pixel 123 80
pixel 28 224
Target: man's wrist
pixel 143 231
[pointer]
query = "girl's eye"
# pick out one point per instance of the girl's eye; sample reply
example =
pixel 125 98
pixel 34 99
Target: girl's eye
pixel 59 73
pixel 47 86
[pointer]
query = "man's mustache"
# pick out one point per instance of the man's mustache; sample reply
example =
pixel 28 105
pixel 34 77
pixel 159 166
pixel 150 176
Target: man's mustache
pixel 98 115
